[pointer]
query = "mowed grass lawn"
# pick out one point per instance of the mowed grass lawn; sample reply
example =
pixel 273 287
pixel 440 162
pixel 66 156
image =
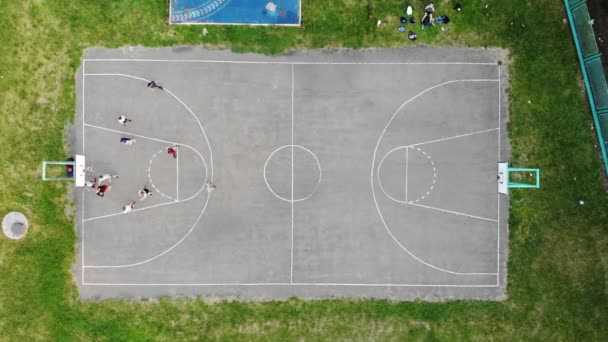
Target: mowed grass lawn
pixel 558 250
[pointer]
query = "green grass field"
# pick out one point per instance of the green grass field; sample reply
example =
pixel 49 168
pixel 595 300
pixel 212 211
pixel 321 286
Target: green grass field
pixel 558 250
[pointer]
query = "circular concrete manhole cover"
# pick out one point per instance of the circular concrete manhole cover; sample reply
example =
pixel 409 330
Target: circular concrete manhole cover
pixel 14 225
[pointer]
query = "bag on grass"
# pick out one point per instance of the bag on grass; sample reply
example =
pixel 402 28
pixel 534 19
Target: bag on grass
pixel 412 36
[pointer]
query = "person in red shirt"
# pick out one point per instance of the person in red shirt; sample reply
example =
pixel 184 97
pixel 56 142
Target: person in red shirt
pixel 172 151
pixel 101 190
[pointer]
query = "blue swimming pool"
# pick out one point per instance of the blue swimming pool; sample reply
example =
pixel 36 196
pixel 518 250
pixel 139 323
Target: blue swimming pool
pixel 264 12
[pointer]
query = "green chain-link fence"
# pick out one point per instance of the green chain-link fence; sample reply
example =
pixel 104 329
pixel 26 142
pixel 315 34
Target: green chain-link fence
pixel 591 66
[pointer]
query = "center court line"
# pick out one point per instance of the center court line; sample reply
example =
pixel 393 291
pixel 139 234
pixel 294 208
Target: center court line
pixel 280 62
pixel 452 212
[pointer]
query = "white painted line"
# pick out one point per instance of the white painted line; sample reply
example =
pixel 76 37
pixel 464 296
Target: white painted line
pixel 84 63
pixel 202 129
pixel 292 171
pixel 83 103
pixel 431 186
pixel 135 135
pixel 295 199
pixel 115 74
pixel 406 170
pixel 172 201
pixel 167 250
pixel 373 169
pixel 164 141
pixel 498 195
pixel 454 137
pixel 150 176
pixel 277 62
pixel 177 99
pixel 293 284
pixel 434 175
pixel 177 174
pixel 82 239
pixel 452 212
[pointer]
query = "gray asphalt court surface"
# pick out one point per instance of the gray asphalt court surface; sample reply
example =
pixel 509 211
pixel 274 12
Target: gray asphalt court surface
pixel 338 173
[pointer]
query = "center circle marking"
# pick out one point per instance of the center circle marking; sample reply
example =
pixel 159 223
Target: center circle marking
pixel 293 199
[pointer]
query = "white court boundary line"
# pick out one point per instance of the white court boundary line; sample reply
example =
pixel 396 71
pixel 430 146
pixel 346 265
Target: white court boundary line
pixel 373 169
pixel 277 62
pixel 292 169
pixel 498 195
pixel 84 63
pixel 291 283
pixel 174 202
pixel 407 153
pixel 177 173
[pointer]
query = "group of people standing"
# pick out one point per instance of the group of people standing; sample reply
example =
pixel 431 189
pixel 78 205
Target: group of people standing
pixel 102 184
pixel 97 184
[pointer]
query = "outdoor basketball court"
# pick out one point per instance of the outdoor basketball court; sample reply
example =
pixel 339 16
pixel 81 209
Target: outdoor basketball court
pixel 342 173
